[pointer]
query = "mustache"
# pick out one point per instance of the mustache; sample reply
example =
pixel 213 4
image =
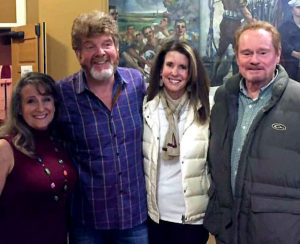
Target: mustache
pixel 99 60
pixel 254 67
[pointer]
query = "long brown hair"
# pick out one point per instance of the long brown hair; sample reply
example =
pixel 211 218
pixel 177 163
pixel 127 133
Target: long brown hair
pixel 198 80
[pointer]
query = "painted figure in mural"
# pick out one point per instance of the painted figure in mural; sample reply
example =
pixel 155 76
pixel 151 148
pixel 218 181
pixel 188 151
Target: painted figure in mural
pixel 151 41
pixel 101 122
pixel 149 50
pixel 187 10
pixel 164 24
pixel 125 58
pixel 160 29
pixel 131 58
pixel 139 45
pixel 266 10
pixel 129 36
pixel 113 12
pixel 161 23
pixel 234 12
pixel 254 149
pixel 290 34
pixel 184 9
pixel 180 30
pixel 180 33
pixel 128 50
pixel 175 142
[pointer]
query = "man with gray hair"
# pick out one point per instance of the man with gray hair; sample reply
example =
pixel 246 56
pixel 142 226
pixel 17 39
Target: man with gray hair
pixel 101 123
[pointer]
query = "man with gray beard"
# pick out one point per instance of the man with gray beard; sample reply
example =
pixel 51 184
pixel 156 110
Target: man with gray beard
pixel 101 123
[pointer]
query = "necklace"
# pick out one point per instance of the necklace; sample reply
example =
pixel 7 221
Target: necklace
pixel 47 171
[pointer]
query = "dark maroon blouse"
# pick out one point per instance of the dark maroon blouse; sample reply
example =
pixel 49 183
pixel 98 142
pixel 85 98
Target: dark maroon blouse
pixel 31 211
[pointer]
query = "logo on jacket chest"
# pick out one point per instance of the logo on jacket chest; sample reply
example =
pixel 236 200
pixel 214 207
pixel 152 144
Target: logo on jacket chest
pixel 278 126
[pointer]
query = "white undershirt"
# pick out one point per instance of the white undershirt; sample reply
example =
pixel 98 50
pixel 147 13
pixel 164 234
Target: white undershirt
pixel 169 186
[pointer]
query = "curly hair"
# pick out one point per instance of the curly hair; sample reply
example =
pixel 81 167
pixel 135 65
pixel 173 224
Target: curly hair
pixel 93 24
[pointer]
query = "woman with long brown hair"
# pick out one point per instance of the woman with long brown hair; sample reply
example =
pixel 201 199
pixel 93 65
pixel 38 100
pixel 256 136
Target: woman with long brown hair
pixel 175 142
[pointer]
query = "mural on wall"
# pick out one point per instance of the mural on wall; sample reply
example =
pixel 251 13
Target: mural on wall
pixel 208 25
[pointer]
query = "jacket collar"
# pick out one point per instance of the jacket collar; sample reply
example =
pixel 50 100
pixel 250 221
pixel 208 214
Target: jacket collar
pixel 150 108
pixel 281 82
pixel 232 85
pixel 153 104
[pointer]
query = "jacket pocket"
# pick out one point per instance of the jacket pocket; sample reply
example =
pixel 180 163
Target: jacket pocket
pixel 274 220
pixel 275 205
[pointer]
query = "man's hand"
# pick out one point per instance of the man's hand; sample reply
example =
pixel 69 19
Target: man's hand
pixel 247 15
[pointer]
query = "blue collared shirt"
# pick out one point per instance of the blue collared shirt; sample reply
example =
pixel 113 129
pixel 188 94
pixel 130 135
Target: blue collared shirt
pixel 248 109
pixel 106 147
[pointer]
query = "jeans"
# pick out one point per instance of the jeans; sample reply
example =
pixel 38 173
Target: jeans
pixel 86 235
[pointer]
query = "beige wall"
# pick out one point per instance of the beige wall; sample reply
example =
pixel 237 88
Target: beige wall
pixel 59 15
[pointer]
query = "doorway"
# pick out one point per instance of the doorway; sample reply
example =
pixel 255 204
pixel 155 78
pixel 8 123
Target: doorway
pixel 22 50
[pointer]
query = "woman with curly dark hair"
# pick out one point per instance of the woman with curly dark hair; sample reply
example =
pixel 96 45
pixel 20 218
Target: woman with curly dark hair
pixel 36 176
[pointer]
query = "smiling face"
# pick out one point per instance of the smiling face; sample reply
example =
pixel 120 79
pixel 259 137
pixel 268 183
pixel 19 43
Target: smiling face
pixel 37 108
pixel 256 56
pixel 175 73
pixel 98 57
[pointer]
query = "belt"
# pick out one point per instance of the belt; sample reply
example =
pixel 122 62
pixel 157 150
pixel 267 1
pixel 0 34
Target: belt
pixel 231 14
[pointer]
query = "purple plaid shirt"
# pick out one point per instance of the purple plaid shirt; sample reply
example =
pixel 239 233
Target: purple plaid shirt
pixel 106 148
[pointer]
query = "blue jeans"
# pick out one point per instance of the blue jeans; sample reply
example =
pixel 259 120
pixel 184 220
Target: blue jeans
pixel 86 235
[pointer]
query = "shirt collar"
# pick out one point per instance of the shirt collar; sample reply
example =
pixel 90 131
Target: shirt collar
pixel 243 88
pixel 119 78
pixel 82 83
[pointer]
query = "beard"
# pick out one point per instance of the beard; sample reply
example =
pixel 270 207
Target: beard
pixel 102 75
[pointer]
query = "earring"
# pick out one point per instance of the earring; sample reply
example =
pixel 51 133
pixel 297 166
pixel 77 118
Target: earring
pixel 188 87
pixel 161 83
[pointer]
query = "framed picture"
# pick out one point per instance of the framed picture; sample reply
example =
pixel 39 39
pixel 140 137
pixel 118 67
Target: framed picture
pixel 13 14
